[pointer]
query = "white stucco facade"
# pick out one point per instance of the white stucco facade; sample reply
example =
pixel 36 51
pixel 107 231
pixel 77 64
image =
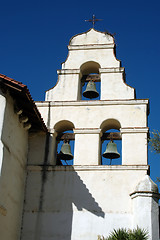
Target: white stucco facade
pixel 89 199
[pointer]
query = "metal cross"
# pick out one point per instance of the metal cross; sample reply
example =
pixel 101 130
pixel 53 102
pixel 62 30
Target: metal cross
pixel 93 20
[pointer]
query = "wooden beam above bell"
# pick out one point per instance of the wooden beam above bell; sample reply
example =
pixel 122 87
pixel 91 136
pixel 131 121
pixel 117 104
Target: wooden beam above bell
pixel 65 136
pixel 111 135
pixel 91 77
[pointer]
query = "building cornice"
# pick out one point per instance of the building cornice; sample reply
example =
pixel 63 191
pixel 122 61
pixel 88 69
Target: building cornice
pixel 91 46
pixel 92 103
pixel 38 168
pixel 134 130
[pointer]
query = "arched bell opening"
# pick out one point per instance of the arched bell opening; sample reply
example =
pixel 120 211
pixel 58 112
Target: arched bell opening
pixel 90 81
pixel 111 143
pixel 64 143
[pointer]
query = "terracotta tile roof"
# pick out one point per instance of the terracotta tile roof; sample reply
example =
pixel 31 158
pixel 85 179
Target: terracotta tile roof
pixel 23 98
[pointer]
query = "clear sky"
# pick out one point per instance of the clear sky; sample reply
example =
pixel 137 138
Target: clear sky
pixel 34 36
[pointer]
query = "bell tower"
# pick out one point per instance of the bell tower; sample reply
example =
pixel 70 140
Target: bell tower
pixel 84 197
pixel 91 52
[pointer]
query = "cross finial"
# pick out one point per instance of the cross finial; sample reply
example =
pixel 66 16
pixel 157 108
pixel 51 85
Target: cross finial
pixel 93 20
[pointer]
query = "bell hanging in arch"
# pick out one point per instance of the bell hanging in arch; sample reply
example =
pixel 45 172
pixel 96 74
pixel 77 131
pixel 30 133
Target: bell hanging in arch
pixel 91 91
pixel 111 151
pixel 65 153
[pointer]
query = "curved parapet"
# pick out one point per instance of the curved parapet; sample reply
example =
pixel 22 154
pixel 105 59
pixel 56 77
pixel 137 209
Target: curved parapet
pixel 89 53
pixel 91 46
pixel 89 38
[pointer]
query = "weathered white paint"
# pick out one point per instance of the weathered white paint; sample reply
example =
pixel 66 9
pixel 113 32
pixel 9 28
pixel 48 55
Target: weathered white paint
pixel 14 140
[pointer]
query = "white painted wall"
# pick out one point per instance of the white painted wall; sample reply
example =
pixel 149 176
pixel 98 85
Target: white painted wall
pixel 134 146
pixel 87 147
pixel 14 146
pixel 91 114
pixel 78 202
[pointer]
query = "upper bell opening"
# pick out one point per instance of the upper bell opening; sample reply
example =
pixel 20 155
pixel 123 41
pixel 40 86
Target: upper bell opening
pixel 90 80
pixel 89 68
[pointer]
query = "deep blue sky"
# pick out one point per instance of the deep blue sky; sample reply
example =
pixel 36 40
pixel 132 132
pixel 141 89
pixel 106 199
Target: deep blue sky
pixel 34 36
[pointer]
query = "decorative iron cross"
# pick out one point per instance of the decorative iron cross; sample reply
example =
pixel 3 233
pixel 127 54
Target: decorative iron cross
pixel 93 20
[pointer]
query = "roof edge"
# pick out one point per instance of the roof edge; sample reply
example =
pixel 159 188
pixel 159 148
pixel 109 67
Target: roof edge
pixel 19 86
